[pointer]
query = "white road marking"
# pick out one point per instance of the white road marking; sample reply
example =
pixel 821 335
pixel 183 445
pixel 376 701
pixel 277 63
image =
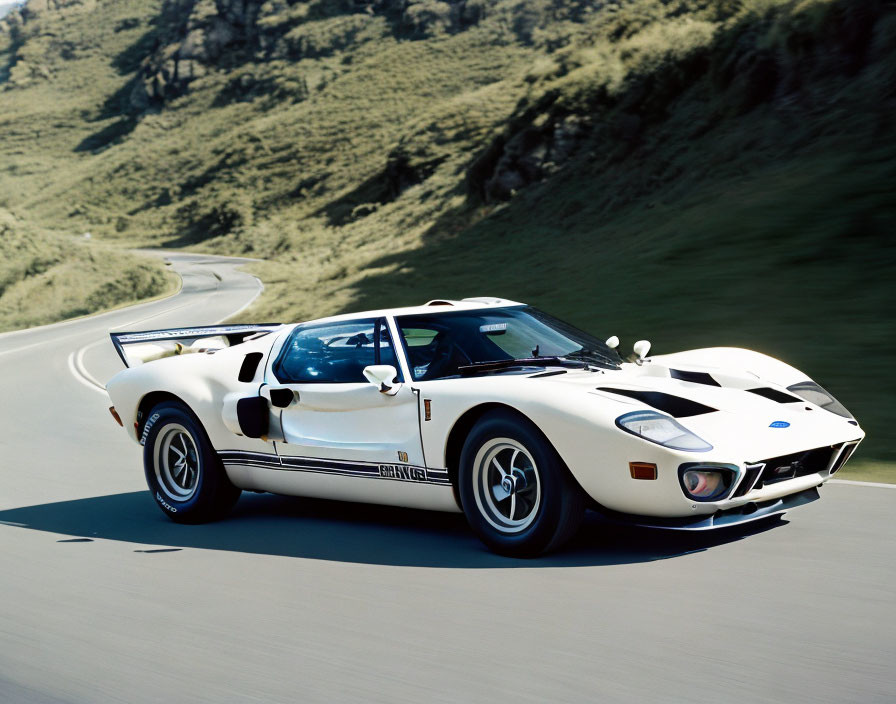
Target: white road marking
pixel 879 485
pixel 79 371
pixel 247 304
pixel 42 343
pixel 80 377
pixel 150 317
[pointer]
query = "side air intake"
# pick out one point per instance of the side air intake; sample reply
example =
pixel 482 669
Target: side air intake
pixel 250 366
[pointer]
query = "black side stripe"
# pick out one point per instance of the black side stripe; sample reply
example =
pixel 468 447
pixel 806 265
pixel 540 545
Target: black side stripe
pixel 346 468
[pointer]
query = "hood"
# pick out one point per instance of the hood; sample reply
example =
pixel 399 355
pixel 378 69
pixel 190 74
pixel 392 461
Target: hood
pixel 739 404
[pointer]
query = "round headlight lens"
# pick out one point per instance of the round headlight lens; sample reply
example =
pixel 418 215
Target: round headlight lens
pixel 663 430
pixel 706 484
pixel 701 483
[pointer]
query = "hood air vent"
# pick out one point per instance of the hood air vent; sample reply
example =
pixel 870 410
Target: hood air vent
pixel 775 395
pixel 675 406
pixel 554 372
pixel 693 377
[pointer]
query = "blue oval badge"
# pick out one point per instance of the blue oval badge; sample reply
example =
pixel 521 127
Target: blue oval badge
pixel 779 424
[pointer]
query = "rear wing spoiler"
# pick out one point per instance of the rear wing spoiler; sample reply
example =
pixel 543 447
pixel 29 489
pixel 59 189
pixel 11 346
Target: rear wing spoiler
pixel 140 347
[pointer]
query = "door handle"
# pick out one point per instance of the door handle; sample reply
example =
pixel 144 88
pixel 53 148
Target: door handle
pixel 279 396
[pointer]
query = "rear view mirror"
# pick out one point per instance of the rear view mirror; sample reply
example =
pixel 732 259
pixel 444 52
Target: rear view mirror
pixel 641 348
pixel 383 376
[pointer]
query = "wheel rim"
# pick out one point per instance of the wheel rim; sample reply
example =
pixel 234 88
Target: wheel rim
pixel 507 485
pixel 177 462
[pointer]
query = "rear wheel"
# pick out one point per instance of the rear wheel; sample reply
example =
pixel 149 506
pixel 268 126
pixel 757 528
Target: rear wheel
pixel 516 492
pixel 183 471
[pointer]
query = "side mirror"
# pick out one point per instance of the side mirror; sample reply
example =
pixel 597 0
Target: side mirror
pixel 613 342
pixel 641 348
pixel 383 376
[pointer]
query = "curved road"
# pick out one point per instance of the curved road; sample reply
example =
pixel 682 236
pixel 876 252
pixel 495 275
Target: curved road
pixel 102 599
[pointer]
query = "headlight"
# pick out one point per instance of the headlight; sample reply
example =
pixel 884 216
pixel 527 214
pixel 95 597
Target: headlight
pixel 663 430
pixel 706 482
pixel 813 393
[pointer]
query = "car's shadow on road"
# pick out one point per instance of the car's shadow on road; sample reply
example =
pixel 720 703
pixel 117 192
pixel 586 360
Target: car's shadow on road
pixel 329 530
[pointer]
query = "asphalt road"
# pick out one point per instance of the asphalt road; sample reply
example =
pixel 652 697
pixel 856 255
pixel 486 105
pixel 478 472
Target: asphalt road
pixel 102 599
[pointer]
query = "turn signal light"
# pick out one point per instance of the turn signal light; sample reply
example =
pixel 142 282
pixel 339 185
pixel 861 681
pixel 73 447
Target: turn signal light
pixel 642 470
pixel 115 415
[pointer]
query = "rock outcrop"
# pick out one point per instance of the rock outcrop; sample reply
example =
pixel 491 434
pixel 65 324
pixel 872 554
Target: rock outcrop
pixel 198 36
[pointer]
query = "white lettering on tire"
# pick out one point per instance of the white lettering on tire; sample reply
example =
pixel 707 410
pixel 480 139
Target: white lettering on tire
pixel 164 503
pixel 146 428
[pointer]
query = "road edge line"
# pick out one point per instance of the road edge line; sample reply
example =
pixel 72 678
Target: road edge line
pixel 853 482
pixel 82 375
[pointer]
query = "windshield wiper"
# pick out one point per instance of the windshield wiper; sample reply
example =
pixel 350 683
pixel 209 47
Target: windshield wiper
pixel 595 356
pixel 498 364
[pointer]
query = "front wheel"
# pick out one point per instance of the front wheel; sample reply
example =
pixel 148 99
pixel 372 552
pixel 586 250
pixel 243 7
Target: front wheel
pixel 183 471
pixel 516 492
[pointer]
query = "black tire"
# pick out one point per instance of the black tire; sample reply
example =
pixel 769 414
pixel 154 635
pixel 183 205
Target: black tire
pixel 543 507
pixel 196 490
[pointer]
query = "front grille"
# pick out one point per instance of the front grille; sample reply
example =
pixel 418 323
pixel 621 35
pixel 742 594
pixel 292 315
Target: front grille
pixel 799 464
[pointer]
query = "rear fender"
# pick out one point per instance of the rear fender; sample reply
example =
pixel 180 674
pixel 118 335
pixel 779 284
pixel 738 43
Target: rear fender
pixel 204 383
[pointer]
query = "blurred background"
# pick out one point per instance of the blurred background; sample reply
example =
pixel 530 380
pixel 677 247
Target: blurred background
pixel 694 172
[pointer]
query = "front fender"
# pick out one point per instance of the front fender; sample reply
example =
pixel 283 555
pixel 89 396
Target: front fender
pixel 722 361
pixel 580 426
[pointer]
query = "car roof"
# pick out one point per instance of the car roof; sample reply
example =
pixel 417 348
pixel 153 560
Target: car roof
pixel 437 305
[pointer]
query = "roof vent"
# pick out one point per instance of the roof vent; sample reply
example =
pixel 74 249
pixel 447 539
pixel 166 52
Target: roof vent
pixel 439 302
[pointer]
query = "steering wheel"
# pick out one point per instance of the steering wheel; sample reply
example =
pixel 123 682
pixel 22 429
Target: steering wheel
pixel 441 363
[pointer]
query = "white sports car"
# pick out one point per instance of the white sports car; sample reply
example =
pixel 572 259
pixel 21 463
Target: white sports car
pixel 484 406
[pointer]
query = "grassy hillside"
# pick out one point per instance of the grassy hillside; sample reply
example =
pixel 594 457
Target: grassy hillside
pixel 47 276
pixel 697 172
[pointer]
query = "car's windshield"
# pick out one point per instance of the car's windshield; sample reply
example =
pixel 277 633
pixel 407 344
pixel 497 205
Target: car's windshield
pixel 447 343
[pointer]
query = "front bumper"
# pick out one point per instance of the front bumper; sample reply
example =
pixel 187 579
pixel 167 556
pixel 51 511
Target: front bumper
pixel 745 513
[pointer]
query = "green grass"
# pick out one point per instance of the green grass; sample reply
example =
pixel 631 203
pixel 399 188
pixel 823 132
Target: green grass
pixel 48 276
pixel 696 173
pixel 868 471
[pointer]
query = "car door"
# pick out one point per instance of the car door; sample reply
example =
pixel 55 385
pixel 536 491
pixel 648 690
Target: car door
pixel 338 420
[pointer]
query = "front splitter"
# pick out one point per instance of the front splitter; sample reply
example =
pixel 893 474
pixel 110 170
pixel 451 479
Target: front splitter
pixel 747 513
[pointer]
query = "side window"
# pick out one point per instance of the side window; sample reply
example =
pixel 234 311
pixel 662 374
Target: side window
pixel 334 353
pixel 421 345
